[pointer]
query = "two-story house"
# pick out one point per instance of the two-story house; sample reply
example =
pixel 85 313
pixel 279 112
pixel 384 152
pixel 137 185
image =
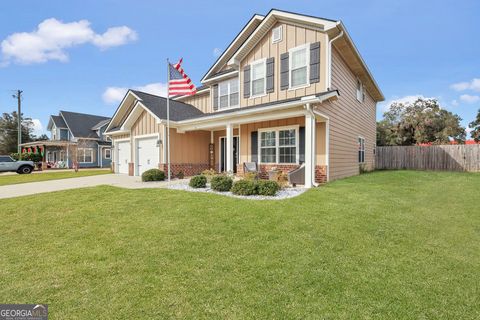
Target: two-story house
pixel 289 90
pixel 74 138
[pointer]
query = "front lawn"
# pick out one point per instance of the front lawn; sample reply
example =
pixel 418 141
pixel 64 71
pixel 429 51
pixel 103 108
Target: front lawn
pixel 49 175
pixel 385 245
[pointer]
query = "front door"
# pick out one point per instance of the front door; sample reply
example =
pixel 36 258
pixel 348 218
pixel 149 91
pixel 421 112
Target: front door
pixel 223 154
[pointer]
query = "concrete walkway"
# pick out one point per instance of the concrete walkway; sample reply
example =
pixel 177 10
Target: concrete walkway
pixel 117 180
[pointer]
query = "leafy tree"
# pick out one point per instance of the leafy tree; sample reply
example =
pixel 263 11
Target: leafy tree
pixel 475 126
pixel 42 137
pixel 9 131
pixel 423 121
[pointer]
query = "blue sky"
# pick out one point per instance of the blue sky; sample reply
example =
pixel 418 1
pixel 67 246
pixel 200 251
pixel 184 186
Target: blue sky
pixel 81 55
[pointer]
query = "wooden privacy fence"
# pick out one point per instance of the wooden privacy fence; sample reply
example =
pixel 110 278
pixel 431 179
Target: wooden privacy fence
pixel 441 157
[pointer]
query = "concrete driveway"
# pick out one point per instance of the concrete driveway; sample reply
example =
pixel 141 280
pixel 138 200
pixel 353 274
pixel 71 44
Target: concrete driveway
pixel 117 180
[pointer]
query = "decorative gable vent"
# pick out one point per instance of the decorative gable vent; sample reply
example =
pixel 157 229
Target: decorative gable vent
pixel 277 34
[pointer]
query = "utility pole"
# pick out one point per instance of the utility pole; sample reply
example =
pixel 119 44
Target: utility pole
pixel 18 96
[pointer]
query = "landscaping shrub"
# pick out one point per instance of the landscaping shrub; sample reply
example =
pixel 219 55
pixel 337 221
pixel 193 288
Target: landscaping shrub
pixel 244 188
pixel 199 181
pixel 282 180
pixel 210 173
pixel 267 187
pixel 221 183
pixel 252 176
pixel 153 175
pixel 180 175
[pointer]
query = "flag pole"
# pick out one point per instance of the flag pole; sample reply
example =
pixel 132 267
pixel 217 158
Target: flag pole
pixel 168 121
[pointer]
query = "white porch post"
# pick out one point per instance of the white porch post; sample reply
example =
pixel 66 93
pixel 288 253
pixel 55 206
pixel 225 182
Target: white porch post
pixel 310 133
pixel 229 148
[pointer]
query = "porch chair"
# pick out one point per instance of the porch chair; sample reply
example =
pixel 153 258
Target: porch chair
pixel 297 176
pixel 250 167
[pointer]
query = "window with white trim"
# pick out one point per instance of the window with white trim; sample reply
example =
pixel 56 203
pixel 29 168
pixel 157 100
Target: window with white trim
pixel 299 66
pixel 85 155
pixel 361 150
pixel 360 93
pixel 277 34
pixel 268 146
pixel 279 146
pixel 61 156
pixel 228 93
pixel 258 77
pixel 107 153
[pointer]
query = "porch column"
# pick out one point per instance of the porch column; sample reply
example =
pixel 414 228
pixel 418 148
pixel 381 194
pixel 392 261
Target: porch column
pixel 229 148
pixel 310 134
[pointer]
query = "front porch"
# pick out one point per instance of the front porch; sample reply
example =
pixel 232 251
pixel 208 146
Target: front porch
pixel 282 140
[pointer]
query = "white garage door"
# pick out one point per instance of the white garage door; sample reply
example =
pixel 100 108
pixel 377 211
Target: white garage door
pixel 147 155
pixel 123 152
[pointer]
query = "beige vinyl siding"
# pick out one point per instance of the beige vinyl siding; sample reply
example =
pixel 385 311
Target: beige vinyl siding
pixel 145 124
pixel 189 147
pixel 201 101
pixel 293 36
pixel 349 119
pixel 121 136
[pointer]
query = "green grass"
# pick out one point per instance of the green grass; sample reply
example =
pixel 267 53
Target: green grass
pixel 44 176
pixel 385 245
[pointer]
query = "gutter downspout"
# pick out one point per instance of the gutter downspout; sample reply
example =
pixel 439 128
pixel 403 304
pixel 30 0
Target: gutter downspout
pixel 329 78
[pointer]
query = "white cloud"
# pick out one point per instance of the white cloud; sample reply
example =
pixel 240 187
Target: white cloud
pixel 454 103
pixel 217 52
pixel 469 98
pixel 52 37
pixel 38 128
pixel 384 106
pixel 115 94
pixel 472 85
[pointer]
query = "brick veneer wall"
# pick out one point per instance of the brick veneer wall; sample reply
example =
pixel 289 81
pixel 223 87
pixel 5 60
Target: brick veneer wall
pixel 188 169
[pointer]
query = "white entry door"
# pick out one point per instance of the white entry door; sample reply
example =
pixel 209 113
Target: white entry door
pixel 123 152
pixel 147 155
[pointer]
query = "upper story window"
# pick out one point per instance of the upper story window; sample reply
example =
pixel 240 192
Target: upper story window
pixel 299 66
pixel 277 34
pixel 228 93
pixel 360 93
pixel 258 76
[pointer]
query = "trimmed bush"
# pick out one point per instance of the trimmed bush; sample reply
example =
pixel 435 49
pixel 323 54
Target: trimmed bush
pixel 252 176
pixel 267 187
pixel 210 173
pixel 244 188
pixel 153 175
pixel 221 183
pixel 180 175
pixel 199 181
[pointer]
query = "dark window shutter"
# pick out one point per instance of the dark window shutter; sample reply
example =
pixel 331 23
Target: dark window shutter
pixel 315 62
pixel 301 144
pixel 270 74
pixel 254 144
pixel 284 71
pixel 215 97
pixel 246 81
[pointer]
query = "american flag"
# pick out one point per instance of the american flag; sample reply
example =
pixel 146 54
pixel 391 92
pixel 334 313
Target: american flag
pixel 180 83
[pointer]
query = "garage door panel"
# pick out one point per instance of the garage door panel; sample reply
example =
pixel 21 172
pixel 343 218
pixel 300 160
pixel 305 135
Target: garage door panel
pixel 147 155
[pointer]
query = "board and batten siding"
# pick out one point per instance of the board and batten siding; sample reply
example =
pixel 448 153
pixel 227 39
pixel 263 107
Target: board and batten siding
pixel 145 124
pixel 247 129
pixel 293 36
pixel 201 101
pixel 349 119
pixel 189 147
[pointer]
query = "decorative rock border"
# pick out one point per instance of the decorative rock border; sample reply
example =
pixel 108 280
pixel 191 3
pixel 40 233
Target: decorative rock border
pixel 285 193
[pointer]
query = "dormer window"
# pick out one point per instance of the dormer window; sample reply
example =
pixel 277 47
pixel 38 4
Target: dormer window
pixel 360 93
pixel 277 34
